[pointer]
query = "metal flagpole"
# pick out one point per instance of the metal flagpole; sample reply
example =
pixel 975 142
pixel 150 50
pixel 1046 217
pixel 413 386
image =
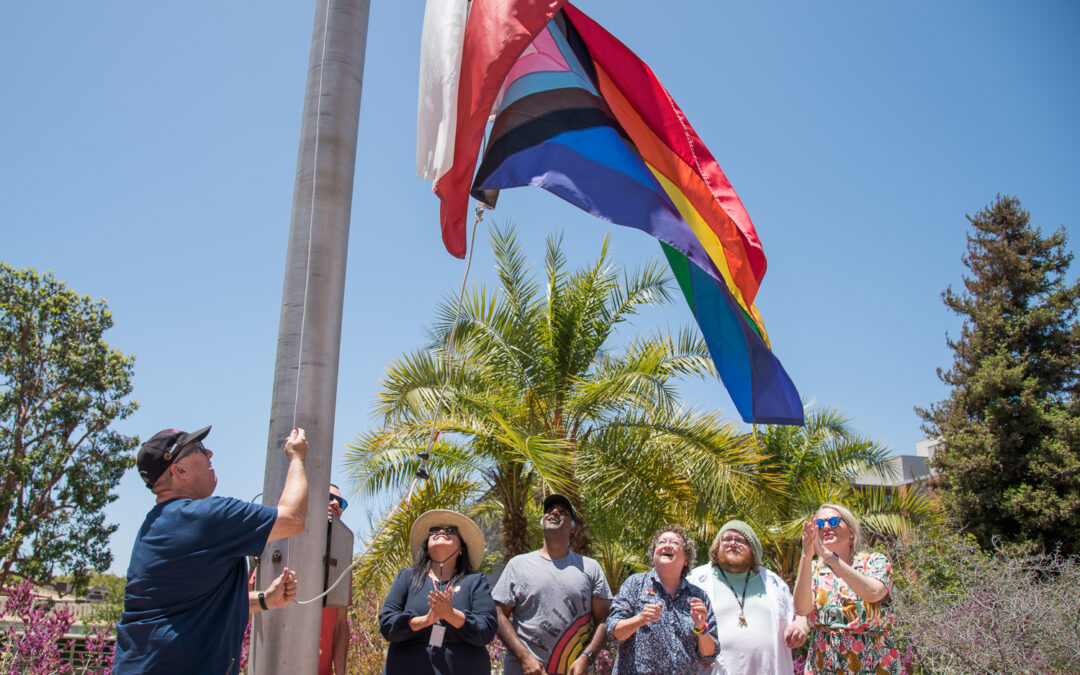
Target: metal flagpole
pixel 286 640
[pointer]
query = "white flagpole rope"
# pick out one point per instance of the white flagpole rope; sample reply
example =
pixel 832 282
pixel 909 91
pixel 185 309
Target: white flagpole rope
pixel 311 225
pixel 422 470
pixel 311 214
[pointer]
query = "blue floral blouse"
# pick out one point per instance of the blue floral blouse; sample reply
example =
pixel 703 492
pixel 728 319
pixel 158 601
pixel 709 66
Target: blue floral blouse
pixel 668 645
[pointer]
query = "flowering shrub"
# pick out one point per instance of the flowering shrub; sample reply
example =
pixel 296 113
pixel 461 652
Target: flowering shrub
pixel 245 650
pixel 36 649
pixel 367 648
pixel 497 652
pixel 961 610
pixel 604 662
pixel 98 657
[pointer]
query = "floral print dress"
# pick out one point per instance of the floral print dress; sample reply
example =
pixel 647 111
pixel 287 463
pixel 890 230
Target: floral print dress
pixel 849 634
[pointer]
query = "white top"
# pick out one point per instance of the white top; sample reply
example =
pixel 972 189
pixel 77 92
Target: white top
pixel 781 614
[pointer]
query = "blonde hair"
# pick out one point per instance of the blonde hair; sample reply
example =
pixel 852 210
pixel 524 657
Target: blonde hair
pixel 852 522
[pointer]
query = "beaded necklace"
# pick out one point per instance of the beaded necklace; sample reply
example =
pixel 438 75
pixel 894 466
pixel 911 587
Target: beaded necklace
pixel 742 600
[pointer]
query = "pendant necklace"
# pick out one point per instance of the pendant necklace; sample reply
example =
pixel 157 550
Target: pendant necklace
pixel 742 600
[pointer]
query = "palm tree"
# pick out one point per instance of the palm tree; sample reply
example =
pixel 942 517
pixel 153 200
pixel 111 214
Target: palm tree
pixel 539 399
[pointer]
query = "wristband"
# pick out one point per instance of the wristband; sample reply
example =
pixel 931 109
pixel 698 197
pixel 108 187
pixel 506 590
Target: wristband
pixel 589 655
pixel 262 600
pixel 703 630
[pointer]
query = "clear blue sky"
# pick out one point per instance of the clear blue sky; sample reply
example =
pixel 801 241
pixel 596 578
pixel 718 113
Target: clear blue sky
pixel 148 150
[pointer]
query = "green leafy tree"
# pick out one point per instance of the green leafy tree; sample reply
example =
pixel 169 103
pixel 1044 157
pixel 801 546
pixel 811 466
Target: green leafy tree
pixel 543 397
pixel 107 610
pixel 61 387
pixel 1010 466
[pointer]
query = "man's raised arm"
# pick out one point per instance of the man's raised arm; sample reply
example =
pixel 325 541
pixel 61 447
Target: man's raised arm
pixel 292 506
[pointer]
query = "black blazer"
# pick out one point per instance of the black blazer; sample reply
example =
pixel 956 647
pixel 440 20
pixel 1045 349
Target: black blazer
pixel 464 649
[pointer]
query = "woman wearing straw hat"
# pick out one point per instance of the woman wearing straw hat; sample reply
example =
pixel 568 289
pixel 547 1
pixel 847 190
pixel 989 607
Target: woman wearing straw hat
pixel 439 615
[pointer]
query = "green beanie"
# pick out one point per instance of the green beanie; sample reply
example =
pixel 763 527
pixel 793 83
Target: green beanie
pixel 746 531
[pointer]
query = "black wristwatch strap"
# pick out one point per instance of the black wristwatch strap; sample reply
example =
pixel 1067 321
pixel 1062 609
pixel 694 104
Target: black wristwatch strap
pixel 262 600
pixel 589 655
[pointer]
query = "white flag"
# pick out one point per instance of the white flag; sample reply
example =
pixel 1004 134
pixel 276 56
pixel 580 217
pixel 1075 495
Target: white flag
pixel 440 70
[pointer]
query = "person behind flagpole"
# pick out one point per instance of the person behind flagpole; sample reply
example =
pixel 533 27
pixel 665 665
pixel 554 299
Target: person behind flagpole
pixel 846 593
pixel 755 615
pixel 334 629
pixel 439 615
pixel 662 623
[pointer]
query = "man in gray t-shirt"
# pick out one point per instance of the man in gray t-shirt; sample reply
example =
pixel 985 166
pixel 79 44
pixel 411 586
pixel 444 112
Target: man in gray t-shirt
pixel 550 600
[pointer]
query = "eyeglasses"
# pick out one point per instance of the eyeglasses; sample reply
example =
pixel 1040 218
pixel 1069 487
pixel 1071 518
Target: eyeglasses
pixel 833 522
pixel 192 448
pixel 735 540
pixel 672 542
pixel 448 529
pixel 342 502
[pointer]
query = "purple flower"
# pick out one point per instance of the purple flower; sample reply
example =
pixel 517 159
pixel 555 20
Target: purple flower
pixel 37 648
pixel 245 648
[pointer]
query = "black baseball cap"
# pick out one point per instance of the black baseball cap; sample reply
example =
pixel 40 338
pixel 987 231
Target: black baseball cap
pixel 161 450
pixel 560 500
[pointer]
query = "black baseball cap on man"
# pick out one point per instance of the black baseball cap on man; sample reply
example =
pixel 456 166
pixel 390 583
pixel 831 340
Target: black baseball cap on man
pixel 161 450
pixel 551 501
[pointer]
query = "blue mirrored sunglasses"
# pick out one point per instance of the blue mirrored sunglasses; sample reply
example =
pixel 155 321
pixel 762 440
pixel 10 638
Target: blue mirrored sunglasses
pixel 342 502
pixel 833 522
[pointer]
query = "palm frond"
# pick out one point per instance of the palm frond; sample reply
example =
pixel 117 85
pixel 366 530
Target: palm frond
pixel 551 458
pixel 649 286
pixel 892 512
pixel 387 550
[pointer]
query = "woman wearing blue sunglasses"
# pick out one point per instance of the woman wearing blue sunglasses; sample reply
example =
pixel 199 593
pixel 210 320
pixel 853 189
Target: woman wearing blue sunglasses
pixel 846 595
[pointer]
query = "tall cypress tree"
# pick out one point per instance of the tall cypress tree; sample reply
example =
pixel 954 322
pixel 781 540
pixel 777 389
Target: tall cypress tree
pixel 1010 466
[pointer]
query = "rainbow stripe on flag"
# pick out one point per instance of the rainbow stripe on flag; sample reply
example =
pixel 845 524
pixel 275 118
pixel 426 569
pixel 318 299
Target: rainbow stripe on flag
pixel 582 117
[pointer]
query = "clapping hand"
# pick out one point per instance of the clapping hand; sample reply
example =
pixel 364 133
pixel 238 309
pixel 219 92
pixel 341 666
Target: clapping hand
pixel 699 613
pixel 439 604
pixel 811 540
pixel 650 613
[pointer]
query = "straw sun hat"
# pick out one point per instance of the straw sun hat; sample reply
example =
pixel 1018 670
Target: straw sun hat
pixel 467 530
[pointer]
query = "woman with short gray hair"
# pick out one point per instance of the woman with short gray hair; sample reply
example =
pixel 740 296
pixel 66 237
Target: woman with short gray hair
pixel 662 623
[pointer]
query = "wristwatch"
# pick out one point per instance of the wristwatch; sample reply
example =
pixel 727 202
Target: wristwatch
pixel 589 655
pixel 262 600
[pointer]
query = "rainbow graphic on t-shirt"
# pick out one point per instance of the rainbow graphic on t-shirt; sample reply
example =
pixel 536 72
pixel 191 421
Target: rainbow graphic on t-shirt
pixel 570 646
